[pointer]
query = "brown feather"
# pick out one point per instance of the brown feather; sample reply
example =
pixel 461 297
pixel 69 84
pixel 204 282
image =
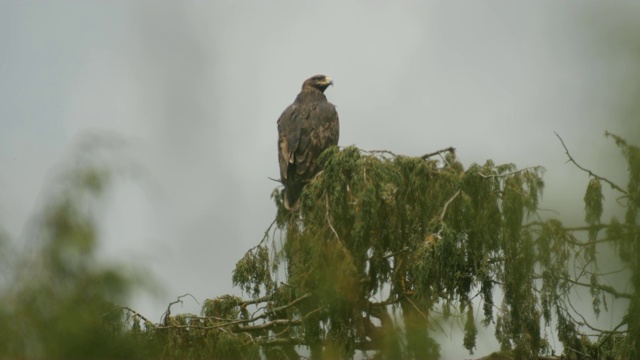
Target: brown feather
pixel 305 129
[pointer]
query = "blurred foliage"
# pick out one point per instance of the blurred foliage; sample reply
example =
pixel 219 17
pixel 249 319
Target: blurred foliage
pixel 58 301
pixel 61 302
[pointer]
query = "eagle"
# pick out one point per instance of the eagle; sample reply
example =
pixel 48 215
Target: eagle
pixel 305 129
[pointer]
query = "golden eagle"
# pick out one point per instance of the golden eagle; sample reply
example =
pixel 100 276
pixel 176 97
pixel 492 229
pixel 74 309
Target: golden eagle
pixel 305 129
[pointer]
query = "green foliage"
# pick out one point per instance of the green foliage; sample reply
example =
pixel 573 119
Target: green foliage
pixel 378 233
pixel 379 243
pixel 593 202
pixel 252 272
pixel 421 234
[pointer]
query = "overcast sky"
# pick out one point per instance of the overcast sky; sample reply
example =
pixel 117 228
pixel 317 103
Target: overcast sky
pixel 196 88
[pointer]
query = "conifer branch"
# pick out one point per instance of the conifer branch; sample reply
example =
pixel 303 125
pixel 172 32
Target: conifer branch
pixel 591 173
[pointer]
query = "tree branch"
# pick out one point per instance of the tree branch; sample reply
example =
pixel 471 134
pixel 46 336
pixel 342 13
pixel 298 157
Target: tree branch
pixel 277 322
pixel 446 205
pixel 292 303
pixel 327 216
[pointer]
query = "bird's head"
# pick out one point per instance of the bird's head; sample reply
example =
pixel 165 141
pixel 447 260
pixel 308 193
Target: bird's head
pixel 320 82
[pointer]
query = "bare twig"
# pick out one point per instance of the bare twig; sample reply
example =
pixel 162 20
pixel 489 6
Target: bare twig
pixel 450 149
pixel 167 313
pixel 264 237
pixel 591 173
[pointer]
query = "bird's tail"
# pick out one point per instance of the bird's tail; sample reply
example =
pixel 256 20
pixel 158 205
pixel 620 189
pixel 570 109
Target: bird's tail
pixel 292 192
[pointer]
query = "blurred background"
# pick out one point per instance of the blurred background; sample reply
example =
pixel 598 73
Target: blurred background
pixel 192 91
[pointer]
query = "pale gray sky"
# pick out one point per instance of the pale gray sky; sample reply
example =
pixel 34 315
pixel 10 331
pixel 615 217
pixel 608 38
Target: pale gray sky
pixel 196 88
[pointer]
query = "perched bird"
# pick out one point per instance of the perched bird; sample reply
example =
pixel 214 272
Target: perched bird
pixel 305 129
